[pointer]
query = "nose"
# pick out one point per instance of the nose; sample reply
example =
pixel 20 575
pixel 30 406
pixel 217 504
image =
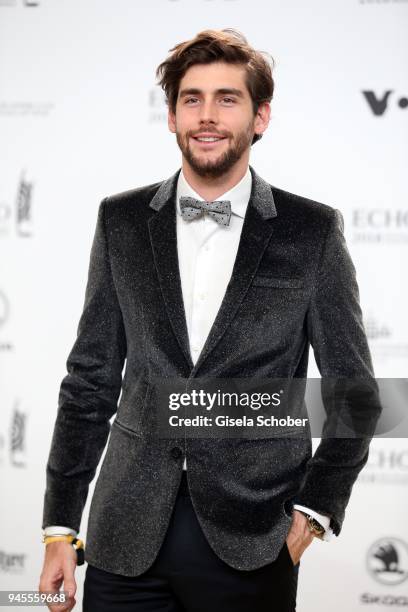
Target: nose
pixel 208 112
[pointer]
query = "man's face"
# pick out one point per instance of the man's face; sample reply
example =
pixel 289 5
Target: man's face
pixel 214 102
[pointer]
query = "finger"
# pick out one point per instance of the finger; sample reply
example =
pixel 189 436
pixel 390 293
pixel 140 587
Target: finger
pixel 53 587
pixel 63 607
pixel 70 585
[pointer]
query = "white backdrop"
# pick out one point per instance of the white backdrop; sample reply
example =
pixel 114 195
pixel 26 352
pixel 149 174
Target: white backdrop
pixel 81 118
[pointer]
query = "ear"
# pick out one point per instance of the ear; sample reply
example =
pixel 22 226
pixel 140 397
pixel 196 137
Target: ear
pixel 262 117
pixel 171 121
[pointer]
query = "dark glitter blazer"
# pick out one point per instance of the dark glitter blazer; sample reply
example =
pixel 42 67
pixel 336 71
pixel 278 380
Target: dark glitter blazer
pixel 293 284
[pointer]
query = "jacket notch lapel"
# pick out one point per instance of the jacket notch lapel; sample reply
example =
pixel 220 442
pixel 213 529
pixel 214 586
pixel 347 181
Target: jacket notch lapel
pixel 163 238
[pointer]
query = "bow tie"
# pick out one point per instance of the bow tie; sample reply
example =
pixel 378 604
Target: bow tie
pixel 219 210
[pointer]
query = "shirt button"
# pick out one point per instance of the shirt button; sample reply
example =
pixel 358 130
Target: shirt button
pixel 176 452
pixel 206 248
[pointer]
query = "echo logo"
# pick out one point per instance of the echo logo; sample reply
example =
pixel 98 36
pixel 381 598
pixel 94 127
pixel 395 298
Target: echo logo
pixel 388 459
pixel 379 218
pixel 379 104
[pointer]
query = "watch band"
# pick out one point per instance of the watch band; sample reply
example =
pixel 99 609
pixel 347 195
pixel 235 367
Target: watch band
pixel 79 547
pixel 314 526
pixel 76 543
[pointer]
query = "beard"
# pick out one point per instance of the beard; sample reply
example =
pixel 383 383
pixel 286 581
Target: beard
pixel 214 168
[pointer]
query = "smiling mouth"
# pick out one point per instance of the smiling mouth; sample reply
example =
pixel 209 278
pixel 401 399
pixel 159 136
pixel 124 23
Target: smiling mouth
pixel 208 141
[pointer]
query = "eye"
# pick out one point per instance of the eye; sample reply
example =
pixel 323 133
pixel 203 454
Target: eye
pixel 228 99
pixel 189 100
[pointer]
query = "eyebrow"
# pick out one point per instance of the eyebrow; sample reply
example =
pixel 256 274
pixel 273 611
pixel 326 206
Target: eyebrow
pixel 221 90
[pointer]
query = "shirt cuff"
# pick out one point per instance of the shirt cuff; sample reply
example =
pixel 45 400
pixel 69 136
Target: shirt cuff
pixel 56 530
pixel 320 518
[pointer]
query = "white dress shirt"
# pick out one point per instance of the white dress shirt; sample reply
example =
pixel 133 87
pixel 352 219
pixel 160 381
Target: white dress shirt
pixel 199 244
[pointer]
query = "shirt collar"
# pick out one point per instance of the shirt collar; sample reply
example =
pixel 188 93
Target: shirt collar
pixel 238 195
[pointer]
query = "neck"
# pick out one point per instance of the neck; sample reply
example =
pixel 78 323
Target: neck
pixel 211 188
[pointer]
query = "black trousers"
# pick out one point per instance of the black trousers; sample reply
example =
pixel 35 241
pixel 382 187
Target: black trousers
pixel 187 576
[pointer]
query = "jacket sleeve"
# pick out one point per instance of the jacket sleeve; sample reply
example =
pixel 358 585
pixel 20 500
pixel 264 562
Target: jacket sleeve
pixel 349 389
pixel 88 393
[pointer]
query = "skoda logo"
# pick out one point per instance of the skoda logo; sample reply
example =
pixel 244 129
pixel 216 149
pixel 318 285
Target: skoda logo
pixel 387 561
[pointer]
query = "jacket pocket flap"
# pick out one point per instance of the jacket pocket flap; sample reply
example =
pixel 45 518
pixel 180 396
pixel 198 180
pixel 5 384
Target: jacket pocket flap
pixel 270 281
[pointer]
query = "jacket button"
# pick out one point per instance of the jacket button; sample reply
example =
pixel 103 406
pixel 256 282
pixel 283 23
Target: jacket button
pixel 176 452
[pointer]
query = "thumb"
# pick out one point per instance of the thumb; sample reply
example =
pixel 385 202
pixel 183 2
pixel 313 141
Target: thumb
pixel 70 585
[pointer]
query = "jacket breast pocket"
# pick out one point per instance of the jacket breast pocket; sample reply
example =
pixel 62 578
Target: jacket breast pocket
pixel 278 283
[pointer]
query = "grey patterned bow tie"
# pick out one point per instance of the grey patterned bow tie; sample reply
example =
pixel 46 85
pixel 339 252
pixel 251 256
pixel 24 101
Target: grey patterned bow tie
pixel 219 210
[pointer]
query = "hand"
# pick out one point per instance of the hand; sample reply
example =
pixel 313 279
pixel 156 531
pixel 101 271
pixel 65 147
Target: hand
pixel 299 536
pixel 59 566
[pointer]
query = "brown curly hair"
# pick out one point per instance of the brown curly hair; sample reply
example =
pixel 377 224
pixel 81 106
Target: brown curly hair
pixel 210 46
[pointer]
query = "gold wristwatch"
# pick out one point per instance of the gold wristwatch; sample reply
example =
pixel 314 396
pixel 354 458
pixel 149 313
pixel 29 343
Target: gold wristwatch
pixel 314 526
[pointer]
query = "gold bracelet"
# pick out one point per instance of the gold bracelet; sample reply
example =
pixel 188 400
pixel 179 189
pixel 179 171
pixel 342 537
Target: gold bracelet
pixel 77 544
pixel 59 538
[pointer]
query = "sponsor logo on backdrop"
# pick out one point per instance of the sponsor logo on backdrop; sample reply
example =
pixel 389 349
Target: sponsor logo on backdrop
pixel 25 3
pixel 2 446
pixel 18 438
pixel 4 308
pixel 12 562
pixel 380 103
pixel 157 106
pixel 381 337
pixel 25 108
pixel 379 226
pixel 23 207
pixel 5 345
pixel 389 600
pixel 387 564
pixel 385 466
pixel 387 561
pixel 14 442
pixel 376 329
pixel 18 218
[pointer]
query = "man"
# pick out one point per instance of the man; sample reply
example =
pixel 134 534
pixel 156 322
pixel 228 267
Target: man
pixel 212 273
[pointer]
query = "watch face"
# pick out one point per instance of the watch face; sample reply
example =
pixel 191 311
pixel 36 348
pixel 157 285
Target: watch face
pixel 316 526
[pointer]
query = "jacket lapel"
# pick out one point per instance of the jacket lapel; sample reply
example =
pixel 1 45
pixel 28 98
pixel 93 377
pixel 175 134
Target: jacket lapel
pixel 163 237
pixel 255 235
